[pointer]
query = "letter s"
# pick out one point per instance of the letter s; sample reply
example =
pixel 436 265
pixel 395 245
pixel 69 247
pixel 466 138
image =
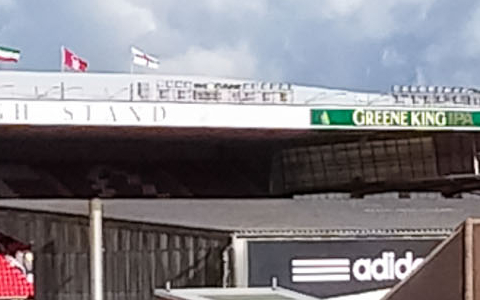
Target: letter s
pixel 68 114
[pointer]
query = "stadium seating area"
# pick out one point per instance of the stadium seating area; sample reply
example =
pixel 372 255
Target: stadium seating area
pixel 148 170
pixel 330 166
pixel 164 180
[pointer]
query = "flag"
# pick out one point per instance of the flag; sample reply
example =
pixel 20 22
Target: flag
pixel 73 61
pixel 143 59
pixel 9 54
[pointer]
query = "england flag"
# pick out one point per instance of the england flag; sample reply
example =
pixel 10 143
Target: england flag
pixel 143 59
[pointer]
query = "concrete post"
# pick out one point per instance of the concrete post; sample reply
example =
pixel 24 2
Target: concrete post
pixel 96 250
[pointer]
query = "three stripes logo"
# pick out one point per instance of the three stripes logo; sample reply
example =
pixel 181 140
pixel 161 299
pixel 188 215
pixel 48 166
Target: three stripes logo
pixel 320 270
pixel 383 268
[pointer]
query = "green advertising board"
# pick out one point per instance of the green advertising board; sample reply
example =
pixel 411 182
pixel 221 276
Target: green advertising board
pixel 384 118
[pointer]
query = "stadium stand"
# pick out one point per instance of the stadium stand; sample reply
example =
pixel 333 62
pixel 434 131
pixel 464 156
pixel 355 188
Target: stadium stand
pixel 162 180
pixel 371 161
pixel 438 163
pixel 294 179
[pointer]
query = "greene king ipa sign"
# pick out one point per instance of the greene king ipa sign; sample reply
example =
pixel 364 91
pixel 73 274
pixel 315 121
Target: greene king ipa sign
pixel 396 118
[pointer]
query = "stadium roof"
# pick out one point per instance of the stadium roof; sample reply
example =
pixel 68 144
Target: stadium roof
pixel 160 101
pixel 331 214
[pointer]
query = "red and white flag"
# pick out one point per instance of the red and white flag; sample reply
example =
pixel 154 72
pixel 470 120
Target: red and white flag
pixel 143 59
pixel 73 61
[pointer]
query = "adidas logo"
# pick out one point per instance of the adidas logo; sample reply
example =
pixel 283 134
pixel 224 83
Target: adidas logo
pixel 383 268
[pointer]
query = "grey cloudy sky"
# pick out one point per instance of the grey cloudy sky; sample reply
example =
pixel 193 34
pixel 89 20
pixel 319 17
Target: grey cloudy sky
pixel 360 44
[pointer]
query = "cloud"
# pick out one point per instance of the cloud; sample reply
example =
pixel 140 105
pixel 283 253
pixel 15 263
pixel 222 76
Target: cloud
pixel 6 4
pixel 365 44
pixel 229 62
pixel 390 57
pixel 235 7
pixel 471 33
pixel 332 9
pixel 132 19
pixel 6 8
pixel 420 76
pixel 373 19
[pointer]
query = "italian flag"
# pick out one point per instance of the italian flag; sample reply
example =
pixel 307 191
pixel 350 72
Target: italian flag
pixel 9 54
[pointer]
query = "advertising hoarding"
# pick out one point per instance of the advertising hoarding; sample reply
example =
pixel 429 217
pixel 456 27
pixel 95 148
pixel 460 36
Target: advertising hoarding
pixel 398 118
pixel 221 115
pixel 334 268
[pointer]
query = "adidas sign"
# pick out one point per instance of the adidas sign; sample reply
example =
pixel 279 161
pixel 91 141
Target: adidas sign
pixel 383 268
pixel 387 267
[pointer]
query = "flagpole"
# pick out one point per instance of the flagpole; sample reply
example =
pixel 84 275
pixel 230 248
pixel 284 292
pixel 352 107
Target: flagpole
pixel 131 61
pixel 62 49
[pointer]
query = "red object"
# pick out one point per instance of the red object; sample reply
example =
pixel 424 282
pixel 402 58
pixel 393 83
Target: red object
pixel 13 282
pixel 73 61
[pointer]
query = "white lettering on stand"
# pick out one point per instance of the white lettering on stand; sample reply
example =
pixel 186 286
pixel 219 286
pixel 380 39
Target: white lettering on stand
pixel 81 113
